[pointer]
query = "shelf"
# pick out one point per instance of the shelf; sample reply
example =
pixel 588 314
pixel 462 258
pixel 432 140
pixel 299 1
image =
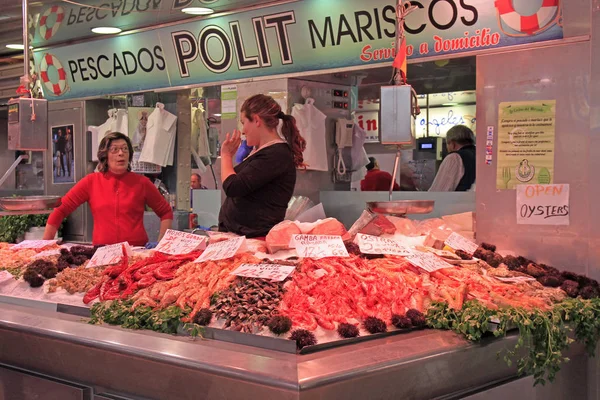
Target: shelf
pixel 26 212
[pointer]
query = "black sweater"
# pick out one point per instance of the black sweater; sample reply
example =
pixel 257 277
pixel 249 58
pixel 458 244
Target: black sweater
pixel 259 192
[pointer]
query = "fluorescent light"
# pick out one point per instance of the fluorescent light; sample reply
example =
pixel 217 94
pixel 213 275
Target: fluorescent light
pixel 198 10
pixel 216 115
pixel 106 30
pixel 17 46
pixel 450 104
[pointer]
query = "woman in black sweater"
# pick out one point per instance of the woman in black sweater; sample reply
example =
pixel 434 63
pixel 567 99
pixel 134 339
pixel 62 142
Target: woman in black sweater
pixel 260 187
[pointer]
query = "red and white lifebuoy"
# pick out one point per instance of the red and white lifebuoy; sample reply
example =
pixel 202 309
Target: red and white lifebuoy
pixel 47 31
pixel 527 24
pixel 56 87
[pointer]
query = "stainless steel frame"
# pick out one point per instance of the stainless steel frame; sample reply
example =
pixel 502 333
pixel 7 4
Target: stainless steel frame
pixel 112 361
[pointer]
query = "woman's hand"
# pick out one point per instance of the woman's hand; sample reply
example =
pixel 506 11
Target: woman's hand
pixel 232 142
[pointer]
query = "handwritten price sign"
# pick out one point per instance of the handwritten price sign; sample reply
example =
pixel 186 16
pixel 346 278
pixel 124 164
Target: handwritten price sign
pixel 319 246
pixel 223 250
pixel 458 242
pixel 272 272
pixel 109 255
pixel 427 261
pixel 543 204
pixel 33 244
pixel 177 242
pixel 46 253
pixel 369 244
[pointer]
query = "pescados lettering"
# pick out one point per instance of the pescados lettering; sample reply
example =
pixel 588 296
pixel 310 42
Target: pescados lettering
pixel 121 8
pixel 118 64
pixel 188 47
pixel 177 4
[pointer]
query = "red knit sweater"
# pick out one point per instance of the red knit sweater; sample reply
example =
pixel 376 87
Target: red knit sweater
pixel 117 203
pixel 377 180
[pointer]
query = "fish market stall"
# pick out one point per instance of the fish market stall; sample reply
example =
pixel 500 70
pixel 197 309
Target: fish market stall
pixel 389 308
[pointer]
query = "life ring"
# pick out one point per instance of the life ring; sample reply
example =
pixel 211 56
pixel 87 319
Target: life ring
pixel 56 88
pixel 528 24
pixel 48 31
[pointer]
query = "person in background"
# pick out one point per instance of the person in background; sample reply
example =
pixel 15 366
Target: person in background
pixel 69 150
pixel 60 146
pixel 260 187
pixel 117 198
pixel 196 182
pixel 457 171
pixel 376 179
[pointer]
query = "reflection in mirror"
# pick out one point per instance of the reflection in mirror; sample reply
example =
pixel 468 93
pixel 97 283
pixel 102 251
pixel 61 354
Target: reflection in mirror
pixel 447 98
pixel 205 126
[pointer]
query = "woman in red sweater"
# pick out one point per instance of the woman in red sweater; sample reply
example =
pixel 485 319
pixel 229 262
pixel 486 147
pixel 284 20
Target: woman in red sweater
pixel 117 198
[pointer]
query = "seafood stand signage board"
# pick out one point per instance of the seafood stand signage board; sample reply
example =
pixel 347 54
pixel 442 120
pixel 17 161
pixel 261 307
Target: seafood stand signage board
pixel 33 244
pixel 543 204
pixel 109 255
pixel 272 272
pixel 177 242
pixel 319 246
pixel 427 261
pixel 369 244
pixel 459 242
pixel 295 37
pixel 223 250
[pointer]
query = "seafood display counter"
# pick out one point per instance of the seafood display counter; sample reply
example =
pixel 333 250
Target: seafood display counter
pixel 52 355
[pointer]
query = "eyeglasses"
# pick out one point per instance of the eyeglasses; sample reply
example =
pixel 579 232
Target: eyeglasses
pixel 115 149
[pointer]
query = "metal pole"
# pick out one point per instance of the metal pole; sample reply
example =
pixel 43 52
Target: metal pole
pixel 396 166
pixel 25 42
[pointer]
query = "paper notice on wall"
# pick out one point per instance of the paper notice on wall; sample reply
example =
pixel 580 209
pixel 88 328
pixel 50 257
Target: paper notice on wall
pixel 229 102
pixel 543 205
pixel 526 132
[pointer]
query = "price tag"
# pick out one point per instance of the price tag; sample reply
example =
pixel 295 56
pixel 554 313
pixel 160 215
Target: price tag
pixel 369 244
pixel 109 255
pixel 177 242
pixel 319 246
pixel 427 261
pixel 272 272
pixel 458 242
pixel 46 253
pixel 223 250
pixel 33 244
pixel 515 279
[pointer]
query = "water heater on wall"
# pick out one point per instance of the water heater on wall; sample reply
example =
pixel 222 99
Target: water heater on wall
pixel 28 124
pixel 397 115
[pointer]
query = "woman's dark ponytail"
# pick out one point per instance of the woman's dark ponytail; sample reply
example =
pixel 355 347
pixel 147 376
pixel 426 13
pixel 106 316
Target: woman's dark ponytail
pixel 294 139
